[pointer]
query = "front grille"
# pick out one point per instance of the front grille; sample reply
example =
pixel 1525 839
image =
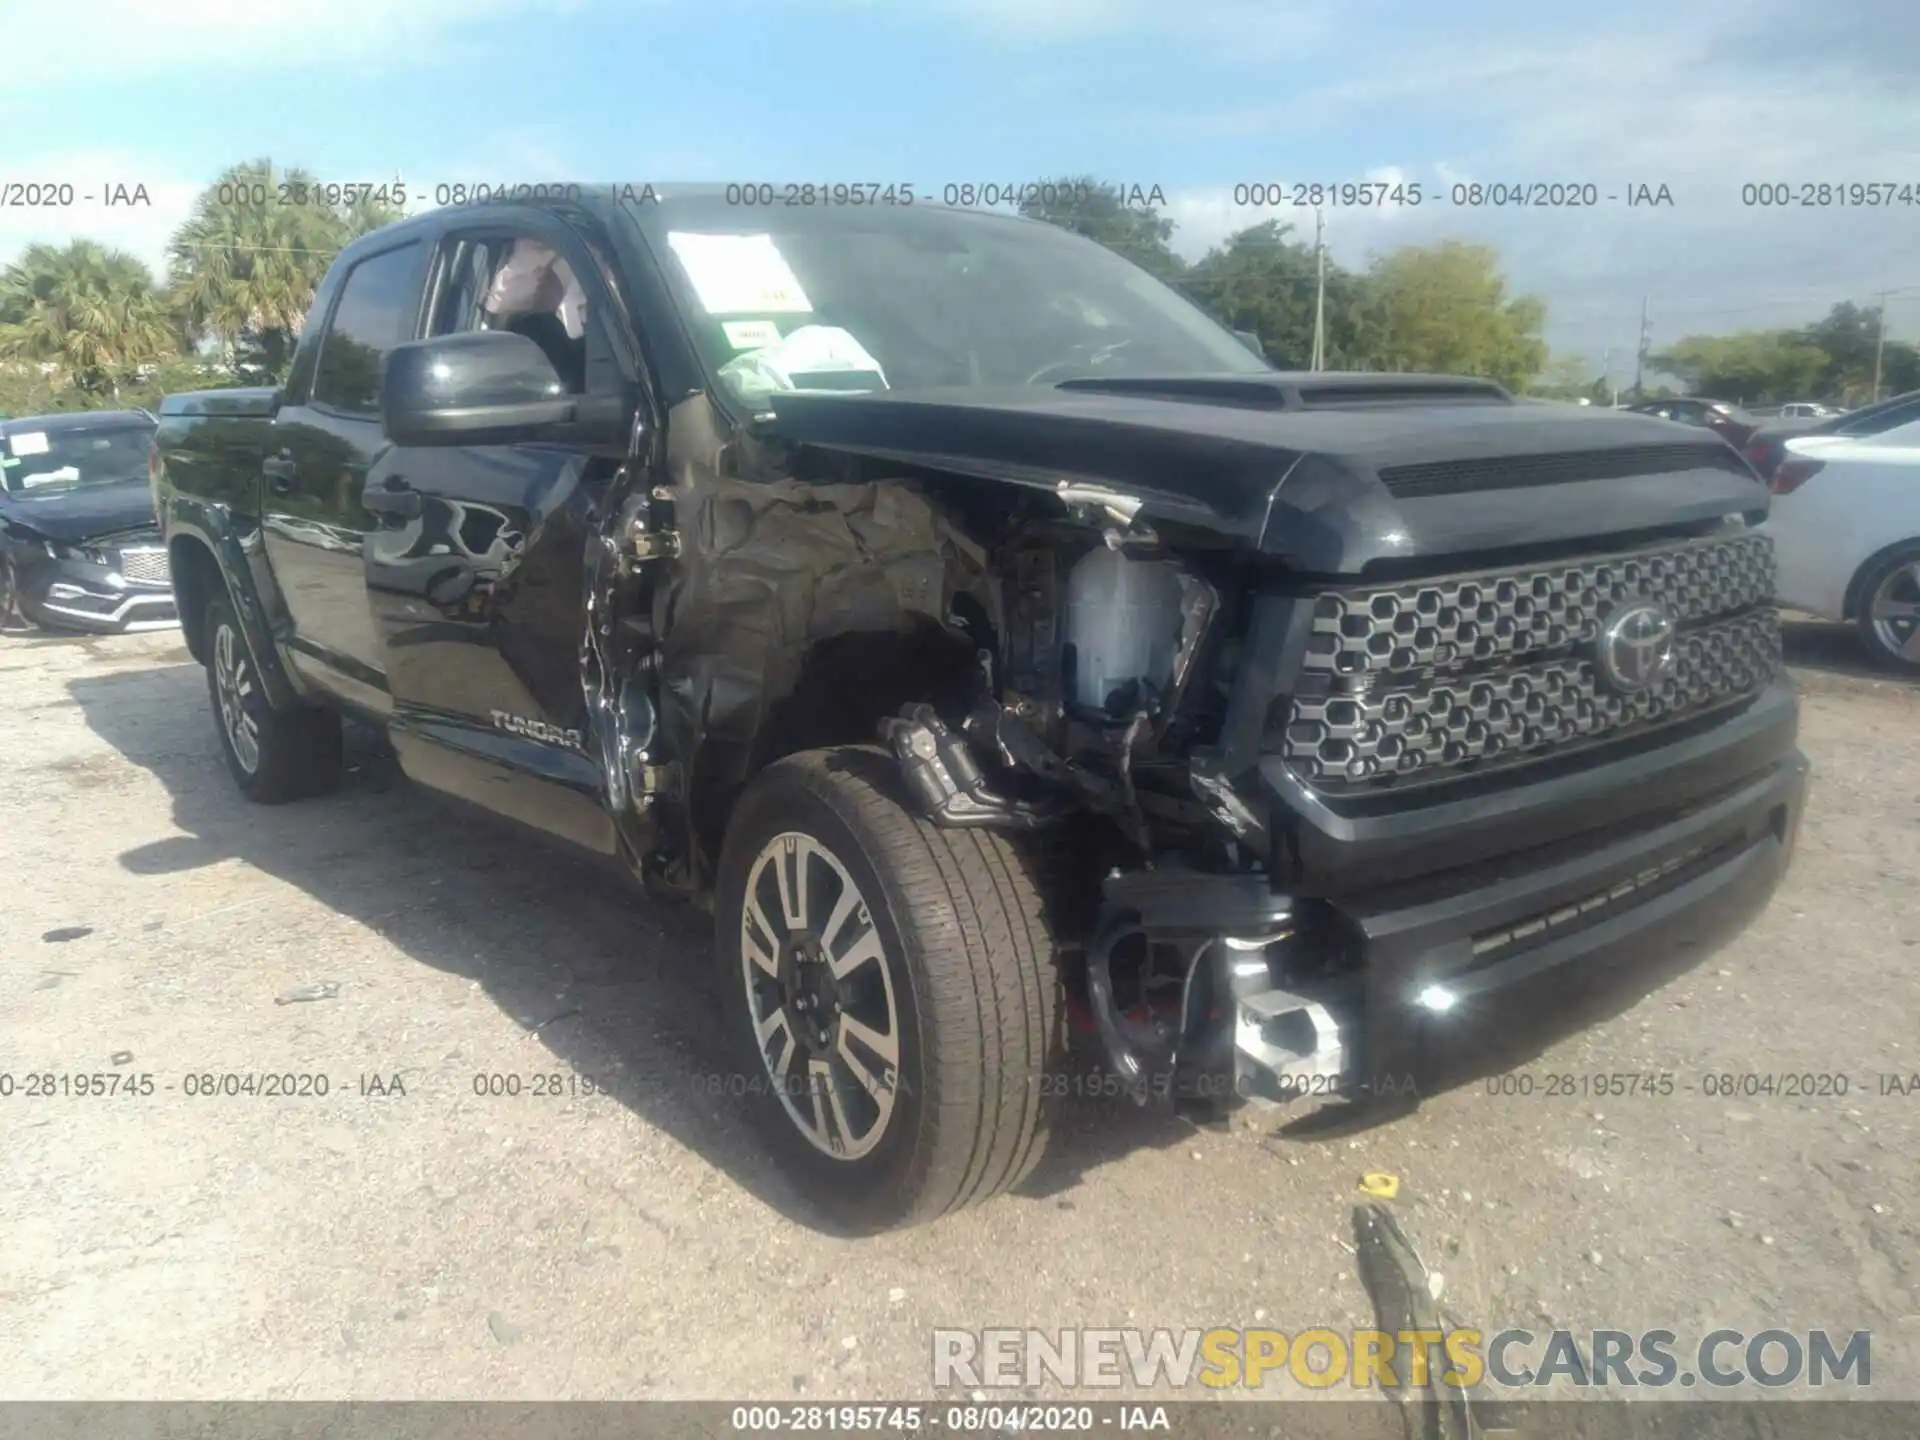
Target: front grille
pixel 1464 672
pixel 145 565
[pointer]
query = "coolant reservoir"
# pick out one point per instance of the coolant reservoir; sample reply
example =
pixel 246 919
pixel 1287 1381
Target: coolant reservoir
pixel 1123 622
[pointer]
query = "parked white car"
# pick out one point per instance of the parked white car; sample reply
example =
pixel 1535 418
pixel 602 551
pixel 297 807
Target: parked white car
pixel 1846 528
pixel 1807 410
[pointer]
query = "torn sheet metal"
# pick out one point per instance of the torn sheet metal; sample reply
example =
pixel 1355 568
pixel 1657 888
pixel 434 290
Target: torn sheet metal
pixel 770 570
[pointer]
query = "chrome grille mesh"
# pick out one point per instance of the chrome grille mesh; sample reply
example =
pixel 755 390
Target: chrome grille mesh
pixel 1496 666
pixel 145 565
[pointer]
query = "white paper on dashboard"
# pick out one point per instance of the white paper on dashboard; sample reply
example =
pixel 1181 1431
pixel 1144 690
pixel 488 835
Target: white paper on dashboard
pixel 811 351
pixel 750 334
pixel 28 442
pixel 739 274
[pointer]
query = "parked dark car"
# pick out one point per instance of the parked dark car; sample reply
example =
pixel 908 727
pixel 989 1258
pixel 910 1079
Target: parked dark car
pixel 1767 446
pixel 79 546
pixel 1726 420
pixel 987 637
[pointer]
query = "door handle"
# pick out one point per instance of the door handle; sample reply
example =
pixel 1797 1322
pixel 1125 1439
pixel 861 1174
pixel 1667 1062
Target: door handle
pixel 396 498
pixel 280 471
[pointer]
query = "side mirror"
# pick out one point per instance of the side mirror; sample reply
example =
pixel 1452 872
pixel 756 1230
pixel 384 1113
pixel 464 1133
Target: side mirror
pixel 476 388
pixel 1252 342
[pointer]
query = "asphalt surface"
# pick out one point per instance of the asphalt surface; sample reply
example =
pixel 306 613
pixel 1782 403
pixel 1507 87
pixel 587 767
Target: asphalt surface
pixel 406 1236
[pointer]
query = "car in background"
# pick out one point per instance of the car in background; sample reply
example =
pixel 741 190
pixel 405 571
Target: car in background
pixel 1846 532
pixel 1768 445
pixel 1808 410
pixel 1726 420
pixel 79 546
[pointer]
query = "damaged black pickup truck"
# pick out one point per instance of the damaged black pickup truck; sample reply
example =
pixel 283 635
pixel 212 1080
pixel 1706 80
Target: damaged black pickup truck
pixel 985 635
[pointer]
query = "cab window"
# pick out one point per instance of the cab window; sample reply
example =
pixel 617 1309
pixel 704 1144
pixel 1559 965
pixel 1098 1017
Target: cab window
pixel 520 284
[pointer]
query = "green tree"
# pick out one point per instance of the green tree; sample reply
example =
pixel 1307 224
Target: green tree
pixel 94 314
pixel 1127 221
pixel 1264 281
pixel 1445 308
pixel 245 265
pixel 1752 367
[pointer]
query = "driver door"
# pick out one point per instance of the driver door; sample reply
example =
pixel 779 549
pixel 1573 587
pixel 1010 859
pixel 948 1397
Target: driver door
pixel 475 574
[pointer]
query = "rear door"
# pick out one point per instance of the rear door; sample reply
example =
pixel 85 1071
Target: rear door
pixel 322 445
pixel 476 574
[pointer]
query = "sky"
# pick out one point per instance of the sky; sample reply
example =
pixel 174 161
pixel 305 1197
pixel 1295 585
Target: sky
pixel 1199 98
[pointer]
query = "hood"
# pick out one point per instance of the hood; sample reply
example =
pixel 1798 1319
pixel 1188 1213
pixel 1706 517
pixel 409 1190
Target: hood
pixel 1329 472
pixel 90 512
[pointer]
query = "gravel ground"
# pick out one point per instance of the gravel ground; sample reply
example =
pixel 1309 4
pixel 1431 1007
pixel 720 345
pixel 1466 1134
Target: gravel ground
pixel 405 1237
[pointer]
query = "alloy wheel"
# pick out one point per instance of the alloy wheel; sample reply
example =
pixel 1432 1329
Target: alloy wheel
pixel 820 995
pixel 233 681
pixel 1894 612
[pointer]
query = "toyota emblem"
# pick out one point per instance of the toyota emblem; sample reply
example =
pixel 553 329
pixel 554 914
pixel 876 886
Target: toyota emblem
pixel 1636 647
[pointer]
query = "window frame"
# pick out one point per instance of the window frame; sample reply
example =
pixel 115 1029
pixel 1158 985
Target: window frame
pixel 614 356
pixel 410 331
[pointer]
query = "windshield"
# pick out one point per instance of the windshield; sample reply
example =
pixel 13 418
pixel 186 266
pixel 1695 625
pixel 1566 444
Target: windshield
pixel 908 298
pixel 37 462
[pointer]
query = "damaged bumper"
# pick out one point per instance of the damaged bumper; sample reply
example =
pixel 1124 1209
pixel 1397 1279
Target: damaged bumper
pixel 1459 939
pixel 126 591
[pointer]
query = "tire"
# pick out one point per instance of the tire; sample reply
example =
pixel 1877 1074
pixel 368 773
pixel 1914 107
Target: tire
pixel 949 932
pixel 274 754
pixel 13 614
pixel 1889 618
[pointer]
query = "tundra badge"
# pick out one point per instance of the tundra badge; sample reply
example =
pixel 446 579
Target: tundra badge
pixel 536 730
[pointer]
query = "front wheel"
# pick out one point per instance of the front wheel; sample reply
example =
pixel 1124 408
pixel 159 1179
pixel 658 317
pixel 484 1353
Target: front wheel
pixel 892 990
pixel 275 753
pixel 1890 610
pixel 12 613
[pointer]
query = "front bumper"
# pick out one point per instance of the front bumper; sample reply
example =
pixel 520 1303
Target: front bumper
pixel 81 595
pixel 1481 972
pixel 1419 947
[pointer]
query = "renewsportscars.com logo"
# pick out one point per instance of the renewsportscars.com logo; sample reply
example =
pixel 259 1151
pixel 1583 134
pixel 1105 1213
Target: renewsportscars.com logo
pixel 1320 1359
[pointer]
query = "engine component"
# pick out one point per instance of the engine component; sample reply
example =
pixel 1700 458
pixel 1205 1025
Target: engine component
pixel 946 779
pixel 1124 622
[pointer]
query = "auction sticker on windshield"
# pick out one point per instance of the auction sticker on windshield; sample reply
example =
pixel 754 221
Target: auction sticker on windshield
pixel 28 442
pixel 750 334
pixel 739 274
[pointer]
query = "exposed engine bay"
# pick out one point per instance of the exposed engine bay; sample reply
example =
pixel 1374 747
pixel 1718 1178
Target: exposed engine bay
pixel 1047 670
pixel 1114 674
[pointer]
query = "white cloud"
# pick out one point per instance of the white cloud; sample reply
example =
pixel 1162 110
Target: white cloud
pixel 1250 30
pixel 1741 90
pixel 229 37
pixel 140 229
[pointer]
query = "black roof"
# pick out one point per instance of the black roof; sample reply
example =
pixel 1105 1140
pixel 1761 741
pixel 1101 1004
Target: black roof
pixel 75 420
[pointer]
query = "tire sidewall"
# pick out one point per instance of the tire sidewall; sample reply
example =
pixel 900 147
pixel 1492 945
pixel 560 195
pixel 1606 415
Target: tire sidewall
pixel 13 609
pixel 872 1192
pixel 219 614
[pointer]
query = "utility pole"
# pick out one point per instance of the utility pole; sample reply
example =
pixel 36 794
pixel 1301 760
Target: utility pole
pixel 1606 375
pixel 1319 361
pixel 1879 345
pixel 1640 358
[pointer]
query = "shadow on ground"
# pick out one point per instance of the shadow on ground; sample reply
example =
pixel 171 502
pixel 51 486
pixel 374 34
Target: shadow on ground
pixel 1819 648
pixel 615 985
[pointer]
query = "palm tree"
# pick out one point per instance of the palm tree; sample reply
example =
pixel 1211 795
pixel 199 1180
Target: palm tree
pixel 245 265
pixel 93 313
